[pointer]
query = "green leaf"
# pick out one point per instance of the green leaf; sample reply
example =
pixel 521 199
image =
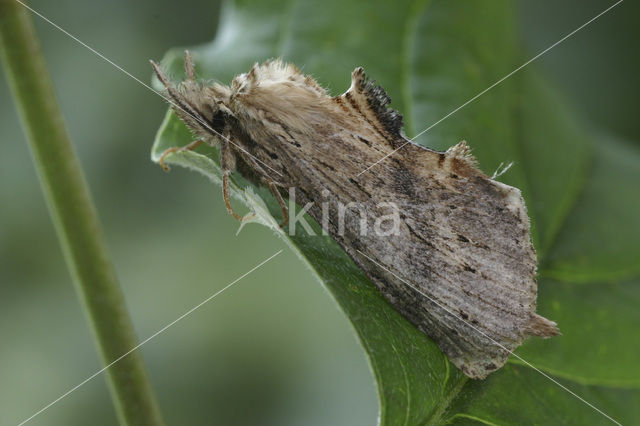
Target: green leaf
pixel 580 190
pixel 598 345
pixel 600 240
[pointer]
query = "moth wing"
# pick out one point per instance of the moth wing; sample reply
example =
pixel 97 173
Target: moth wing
pixel 367 104
pixel 462 268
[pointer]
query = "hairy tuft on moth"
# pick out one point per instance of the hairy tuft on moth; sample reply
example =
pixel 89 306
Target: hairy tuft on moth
pixel 459 265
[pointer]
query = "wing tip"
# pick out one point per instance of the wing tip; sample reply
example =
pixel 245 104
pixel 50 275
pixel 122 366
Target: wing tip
pixel 542 327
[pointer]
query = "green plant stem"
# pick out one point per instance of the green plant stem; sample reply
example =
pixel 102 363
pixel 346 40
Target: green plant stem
pixel 74 216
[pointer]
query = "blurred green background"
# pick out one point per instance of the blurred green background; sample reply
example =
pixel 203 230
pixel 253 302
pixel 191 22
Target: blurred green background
pixel 274 350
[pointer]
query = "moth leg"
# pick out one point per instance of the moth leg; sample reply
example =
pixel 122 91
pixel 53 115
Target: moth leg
pixel 283 206
pixel 228 164
pixel 190 147
pixel 273 187
pixel 188 66
pixel 227 200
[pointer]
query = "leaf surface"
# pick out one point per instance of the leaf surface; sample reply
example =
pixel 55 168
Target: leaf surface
pixel 581 192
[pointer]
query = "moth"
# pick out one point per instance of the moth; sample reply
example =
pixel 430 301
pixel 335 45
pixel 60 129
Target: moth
pixel 463 242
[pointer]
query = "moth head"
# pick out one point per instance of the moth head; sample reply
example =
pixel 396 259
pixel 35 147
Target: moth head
pixel 275 88
pixel 275 74
pixel 203 108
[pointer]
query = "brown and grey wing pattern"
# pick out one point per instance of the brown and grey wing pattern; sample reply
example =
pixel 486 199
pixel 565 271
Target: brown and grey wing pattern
pixel 464 241
pixel 461 267
pixel 465 245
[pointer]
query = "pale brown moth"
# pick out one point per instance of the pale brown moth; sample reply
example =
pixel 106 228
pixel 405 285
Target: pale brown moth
pixel 463 239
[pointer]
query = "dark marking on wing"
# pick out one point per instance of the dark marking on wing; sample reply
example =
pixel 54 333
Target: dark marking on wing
pixel 404 182
pixel 345 108
pixel 365 140
pixel 379 102
pixel 327 165
pixel 360 187
pixel 356 107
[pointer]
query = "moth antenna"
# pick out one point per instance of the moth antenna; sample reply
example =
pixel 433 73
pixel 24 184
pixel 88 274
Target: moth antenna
pixel 180 102
pixel 189 69
pixel 163 79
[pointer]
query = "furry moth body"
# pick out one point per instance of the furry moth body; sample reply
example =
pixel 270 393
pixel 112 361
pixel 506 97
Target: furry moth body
pixel 463 239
